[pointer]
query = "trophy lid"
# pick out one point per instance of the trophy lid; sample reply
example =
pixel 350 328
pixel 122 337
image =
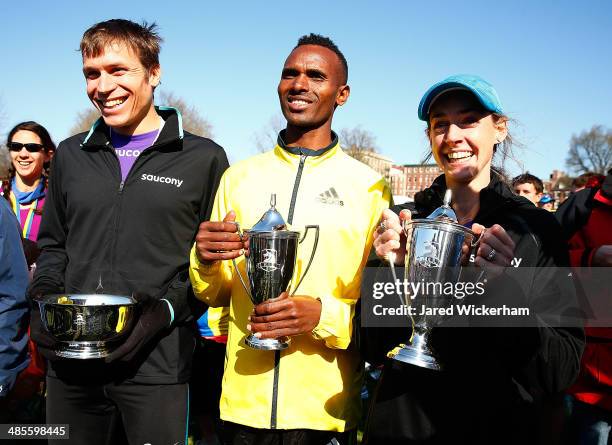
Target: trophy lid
pixel 271 220
pixel 445 212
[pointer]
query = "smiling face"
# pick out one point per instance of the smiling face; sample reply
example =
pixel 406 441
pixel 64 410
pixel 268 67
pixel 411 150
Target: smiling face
pixel 28 166
pixel 462 136
pixel 122 89
pixel 311 87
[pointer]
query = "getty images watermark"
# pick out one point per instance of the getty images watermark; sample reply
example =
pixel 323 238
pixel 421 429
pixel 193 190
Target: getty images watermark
pixel 435 298
pixel 513 297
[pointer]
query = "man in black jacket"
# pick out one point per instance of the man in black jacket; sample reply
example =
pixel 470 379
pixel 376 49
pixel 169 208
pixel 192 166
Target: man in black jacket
pixel 123 208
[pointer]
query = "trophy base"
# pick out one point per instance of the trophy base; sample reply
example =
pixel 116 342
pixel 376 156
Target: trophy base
pixel 268 344
pixel 415 354
pixel 83 350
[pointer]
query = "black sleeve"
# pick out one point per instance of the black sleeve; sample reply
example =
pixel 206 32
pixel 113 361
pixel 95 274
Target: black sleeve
pixel 180 293
pixel 51 264
pixel 574 213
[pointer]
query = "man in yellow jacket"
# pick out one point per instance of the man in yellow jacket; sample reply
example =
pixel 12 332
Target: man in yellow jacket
pixel 309 392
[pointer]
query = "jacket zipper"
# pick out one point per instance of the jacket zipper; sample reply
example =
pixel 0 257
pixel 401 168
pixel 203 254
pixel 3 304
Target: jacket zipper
pixel 277 354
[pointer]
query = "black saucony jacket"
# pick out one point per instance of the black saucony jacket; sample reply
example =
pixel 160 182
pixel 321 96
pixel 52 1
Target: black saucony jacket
pixel 101 234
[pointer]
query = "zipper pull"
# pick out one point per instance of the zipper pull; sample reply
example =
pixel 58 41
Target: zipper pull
pixel 302 160
pixel 121 184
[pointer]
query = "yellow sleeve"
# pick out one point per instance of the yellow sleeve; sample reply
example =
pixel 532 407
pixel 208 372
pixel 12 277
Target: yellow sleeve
pixel 212 283
pixel 335 326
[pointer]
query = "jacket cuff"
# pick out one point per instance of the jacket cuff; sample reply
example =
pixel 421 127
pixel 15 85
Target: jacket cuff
pixel 335 324
pixel 170 309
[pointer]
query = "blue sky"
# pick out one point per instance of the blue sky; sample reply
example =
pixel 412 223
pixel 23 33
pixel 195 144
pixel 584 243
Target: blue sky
pixel 549 60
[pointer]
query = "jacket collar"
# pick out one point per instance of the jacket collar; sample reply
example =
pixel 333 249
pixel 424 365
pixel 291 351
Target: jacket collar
pixel 293 154
pixel 495 195
pixel 98 135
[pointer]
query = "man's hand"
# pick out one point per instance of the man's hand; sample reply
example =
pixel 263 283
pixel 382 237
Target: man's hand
pixel 389 237
pixel 603 256
pixel 219 240
pixel 154 316
pixel 284 316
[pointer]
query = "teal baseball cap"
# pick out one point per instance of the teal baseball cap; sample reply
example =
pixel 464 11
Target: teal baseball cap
pixel 483 90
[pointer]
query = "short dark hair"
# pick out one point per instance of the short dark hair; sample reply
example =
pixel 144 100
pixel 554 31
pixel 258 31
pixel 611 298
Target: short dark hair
pixel 143 39
pixel 325 42
pixel 528 178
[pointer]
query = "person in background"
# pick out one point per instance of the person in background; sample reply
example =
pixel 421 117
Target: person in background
pixel 587 180
pixel 586 218
pixel 13 309
pixel 547 202
pixel 529 186
pixel 494 379
pixel 31 148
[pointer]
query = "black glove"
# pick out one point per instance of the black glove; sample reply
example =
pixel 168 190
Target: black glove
pixel 154 316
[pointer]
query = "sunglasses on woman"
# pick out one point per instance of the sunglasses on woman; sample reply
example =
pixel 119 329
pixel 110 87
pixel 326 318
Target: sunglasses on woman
pixel 31 147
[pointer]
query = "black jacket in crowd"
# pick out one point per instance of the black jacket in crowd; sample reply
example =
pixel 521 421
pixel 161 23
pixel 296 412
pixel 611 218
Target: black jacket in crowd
pixel 100 234
pixel 495 381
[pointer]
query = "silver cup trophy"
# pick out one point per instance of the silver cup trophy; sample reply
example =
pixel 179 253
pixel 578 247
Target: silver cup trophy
pixel 87 326
pixel 433 255
pixel 270 265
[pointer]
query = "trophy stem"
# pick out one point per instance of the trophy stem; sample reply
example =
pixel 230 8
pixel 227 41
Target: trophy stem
pixel 416 353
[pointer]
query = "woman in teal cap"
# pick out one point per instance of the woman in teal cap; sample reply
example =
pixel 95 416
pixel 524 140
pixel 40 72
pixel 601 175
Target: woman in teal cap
pixel 492 381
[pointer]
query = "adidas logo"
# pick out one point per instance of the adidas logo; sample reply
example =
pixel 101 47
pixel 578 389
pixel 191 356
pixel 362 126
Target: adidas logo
pixel 330 196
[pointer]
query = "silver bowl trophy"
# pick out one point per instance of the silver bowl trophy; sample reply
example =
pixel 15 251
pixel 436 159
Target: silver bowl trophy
pixel 270 265
pixel 433 255
pixel 87 326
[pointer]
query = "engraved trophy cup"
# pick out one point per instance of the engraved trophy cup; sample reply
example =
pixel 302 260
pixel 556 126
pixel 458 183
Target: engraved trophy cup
pixel 433 255
pixel 270 265
pixel 87 326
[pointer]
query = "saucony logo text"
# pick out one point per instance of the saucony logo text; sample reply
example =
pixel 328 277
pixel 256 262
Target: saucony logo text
pixel 162 179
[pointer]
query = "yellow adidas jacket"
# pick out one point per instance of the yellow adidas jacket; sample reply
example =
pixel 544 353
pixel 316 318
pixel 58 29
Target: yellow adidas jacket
pixel 318 379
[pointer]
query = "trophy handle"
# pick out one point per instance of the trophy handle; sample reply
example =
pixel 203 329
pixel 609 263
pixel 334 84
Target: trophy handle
pixel 242 280
pixel 314 249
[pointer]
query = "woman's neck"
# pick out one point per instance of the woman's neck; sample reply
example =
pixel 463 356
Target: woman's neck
pixel 466 199
pixel 26 184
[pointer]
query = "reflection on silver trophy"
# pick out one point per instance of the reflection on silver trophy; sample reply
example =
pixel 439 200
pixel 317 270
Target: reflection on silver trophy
pixel 87 326
pixel 433 255
pixel 270 265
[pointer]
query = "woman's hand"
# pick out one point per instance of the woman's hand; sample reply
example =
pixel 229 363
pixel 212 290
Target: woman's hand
pixel 389 237
pixel 495 250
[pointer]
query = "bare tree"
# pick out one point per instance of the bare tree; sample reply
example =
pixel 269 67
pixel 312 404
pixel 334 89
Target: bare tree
pixel 265 139
pixel 357 142
pixel 85 119
pixel 591 151
pixel 193 121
